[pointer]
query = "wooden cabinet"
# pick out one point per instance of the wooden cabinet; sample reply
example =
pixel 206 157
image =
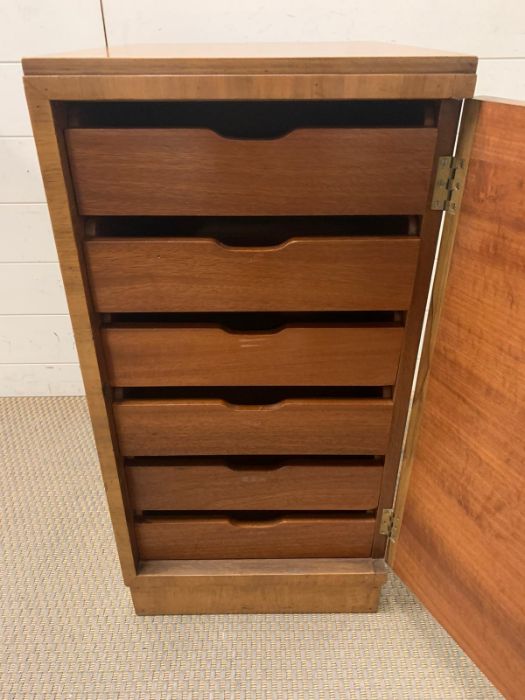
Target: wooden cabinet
pixel 247 246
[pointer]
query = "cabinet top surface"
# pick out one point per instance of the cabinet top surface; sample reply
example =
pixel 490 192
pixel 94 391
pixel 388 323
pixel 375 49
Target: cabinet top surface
pixel 290 58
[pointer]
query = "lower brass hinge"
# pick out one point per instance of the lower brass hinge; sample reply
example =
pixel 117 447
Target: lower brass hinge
pixel 450 178
pixel 389 524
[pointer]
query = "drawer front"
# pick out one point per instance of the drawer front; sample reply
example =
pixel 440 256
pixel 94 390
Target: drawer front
pixel 212 356
pixel 196 171
pixel 213 427
pixel 282 538
pixel 304 274
pixel 316 484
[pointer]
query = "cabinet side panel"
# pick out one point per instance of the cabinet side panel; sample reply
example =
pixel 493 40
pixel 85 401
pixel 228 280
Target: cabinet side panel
pixel 67 226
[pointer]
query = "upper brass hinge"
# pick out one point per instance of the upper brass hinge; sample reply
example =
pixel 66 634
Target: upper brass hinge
pixel 389 523
pixel 450 178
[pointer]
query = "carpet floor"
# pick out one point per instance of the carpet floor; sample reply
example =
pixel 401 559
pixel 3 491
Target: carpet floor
pixel 69 630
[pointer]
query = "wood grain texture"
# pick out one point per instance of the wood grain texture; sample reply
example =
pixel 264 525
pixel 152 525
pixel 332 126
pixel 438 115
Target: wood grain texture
pixel 430 226
pixel 293 356
pixel 180 274
pixel 467 477
pixel 316 484
pixel 67 228
pixel 238 58
pixel 466 136
pixel 285 537
pixel 258 586
pixel 260 86
pixel 294 426
pixel 305 172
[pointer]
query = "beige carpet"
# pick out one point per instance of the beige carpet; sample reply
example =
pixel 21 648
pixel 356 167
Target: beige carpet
pixel 69 630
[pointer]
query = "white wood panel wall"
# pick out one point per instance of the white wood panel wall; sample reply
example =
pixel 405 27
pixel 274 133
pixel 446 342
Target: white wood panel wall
pixel 37 352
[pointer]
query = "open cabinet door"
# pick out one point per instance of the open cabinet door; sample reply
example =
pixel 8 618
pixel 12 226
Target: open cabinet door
pixel 458 540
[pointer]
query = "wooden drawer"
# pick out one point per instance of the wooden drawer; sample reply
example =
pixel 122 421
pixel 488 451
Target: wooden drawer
pixel 196 171
pixel 213 356
pixel 213 427
pixel 303 274
pixel 220 537
pixel 214 484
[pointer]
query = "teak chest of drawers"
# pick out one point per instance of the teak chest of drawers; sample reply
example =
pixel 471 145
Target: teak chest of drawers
pixel 247 237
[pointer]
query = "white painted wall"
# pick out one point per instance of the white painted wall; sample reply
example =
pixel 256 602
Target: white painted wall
pixel 37 353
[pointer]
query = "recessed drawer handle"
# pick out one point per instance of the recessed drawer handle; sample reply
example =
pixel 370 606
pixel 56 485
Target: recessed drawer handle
pixel 275 136
pixel 255 469
pixel 257 249
pixel 259 524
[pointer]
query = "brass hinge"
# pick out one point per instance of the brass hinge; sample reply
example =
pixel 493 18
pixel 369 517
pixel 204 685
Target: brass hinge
pixel 450 178
pixel 389 523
